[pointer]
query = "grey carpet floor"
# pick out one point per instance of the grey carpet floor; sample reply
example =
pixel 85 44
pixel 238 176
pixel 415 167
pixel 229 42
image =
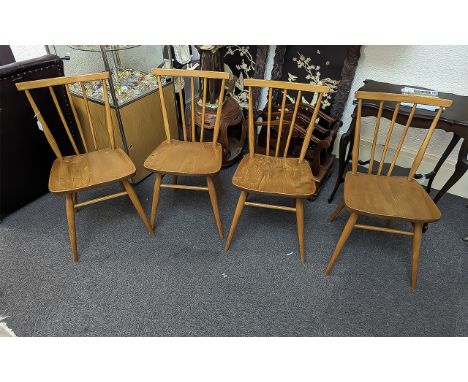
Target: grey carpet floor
pixel 182 283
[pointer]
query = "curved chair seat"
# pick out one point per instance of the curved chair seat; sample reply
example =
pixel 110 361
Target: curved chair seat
pixel 274 176
pixel 84 171
pixel 185 158
pixel 389 197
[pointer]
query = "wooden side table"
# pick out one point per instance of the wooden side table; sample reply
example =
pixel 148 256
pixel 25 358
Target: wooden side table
pixel 231 116
pixel 453 120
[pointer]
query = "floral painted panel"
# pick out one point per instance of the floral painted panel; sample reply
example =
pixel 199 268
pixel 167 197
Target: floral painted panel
pixel 315 64
pixel 240 61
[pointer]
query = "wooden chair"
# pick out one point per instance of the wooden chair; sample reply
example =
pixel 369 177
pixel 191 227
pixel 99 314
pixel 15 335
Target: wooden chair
pixel 188 158
pixel 277 175
pixel 385 196
pixel 95 167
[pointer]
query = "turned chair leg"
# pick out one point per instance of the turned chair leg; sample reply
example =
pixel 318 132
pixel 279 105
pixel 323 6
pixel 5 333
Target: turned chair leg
pixel 154 204
pixel 416 251
pixel 235 219
pixel 136 203
pixel 300 226
pixel 337 211
pixel 214 204
pixel 71 225
pixel 341 242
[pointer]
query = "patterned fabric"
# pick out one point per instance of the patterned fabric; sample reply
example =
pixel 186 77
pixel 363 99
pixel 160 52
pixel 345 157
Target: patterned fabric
pixel 241 62
pixel 321 65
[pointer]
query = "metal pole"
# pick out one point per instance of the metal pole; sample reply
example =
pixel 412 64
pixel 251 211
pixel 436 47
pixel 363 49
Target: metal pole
pixel 114 98
pixel 170 56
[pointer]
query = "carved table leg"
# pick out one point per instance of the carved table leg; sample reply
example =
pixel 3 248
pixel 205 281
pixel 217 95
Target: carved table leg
pixel 441 161
pixel 343 160
pixel 460 169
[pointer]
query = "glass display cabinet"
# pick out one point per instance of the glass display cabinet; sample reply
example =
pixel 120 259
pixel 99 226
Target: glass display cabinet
pixel 133 95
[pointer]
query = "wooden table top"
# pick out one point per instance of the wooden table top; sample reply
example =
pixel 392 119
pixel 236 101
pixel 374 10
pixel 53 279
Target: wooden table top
pixel 456 114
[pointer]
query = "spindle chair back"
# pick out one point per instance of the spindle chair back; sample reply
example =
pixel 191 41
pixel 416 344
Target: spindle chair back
pixel 50 83
pixel 382 194
pixel 274 173
pixel 394 101
pixel 301 121
pixel 204 76
pixel 188 157
pixel 300 88
pixel 94 166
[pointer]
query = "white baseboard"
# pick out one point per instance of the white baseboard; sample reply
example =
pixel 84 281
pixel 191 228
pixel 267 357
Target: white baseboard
pixel 405 159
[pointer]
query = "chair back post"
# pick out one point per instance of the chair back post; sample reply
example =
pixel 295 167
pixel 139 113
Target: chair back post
pixel 310 128
pixel 192 111
pixel 280 126
pixel 397 99
pixel 77 120
pixel 218 112
pixel 205 75
pixel 49 83
pixel 389 135
pixel 402 138
pixel 293 121
pixel 270 97
pixel 202 129
pixel 164 110
pixel 252 134
pixel 182 107
pixel 376 134
pixel 357 133
pixel 422 150
pixel 110 128
pixel 88 113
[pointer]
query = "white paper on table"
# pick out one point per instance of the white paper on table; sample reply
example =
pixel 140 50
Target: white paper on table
pixel 419 106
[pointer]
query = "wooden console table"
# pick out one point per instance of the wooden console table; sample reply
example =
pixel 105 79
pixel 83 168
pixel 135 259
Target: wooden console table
pixel 453 120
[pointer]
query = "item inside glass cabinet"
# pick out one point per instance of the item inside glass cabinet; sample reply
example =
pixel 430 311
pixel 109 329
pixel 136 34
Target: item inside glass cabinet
pixel 129 83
